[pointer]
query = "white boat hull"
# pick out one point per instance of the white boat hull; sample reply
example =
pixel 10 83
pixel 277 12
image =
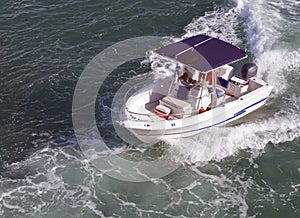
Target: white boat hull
pixel 151 130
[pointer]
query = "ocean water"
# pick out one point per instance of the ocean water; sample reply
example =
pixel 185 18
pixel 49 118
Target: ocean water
pixel 44 47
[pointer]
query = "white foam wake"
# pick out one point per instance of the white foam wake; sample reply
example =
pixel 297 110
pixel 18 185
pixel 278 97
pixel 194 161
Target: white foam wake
pixel 252 135
pixel 276 61
pixel 220 23
pixel 266 27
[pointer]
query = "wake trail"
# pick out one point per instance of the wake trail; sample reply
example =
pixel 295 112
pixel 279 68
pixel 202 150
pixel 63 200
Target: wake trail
pixel 275 61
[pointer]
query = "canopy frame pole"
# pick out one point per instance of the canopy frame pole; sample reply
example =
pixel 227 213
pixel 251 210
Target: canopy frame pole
pixel 201 92
pixel 214 94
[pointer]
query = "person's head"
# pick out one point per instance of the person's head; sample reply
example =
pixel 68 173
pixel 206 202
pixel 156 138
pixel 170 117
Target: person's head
pixel 185 75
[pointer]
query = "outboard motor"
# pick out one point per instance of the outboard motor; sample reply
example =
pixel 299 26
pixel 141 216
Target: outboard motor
pixel 248 70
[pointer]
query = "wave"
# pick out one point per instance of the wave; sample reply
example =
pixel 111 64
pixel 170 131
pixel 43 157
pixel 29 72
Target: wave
pixel 268 26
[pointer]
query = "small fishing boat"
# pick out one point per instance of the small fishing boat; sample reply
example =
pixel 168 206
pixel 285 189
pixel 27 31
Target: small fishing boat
pixel 204 91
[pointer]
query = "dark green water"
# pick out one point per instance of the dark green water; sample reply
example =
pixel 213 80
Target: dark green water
pixel 44 47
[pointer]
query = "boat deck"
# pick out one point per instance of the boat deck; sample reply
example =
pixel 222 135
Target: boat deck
pixel 150 107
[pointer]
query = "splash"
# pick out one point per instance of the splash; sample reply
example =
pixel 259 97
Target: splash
pixel 276 60
pixel 220 143
pixel 266 27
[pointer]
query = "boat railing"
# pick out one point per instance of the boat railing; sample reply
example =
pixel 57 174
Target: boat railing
pixel 138 116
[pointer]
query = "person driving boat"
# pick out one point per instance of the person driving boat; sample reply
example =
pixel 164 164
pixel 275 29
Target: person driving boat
pixel 186 80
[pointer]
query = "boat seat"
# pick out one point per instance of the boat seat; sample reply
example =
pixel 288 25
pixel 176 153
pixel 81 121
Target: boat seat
pixel 180 108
